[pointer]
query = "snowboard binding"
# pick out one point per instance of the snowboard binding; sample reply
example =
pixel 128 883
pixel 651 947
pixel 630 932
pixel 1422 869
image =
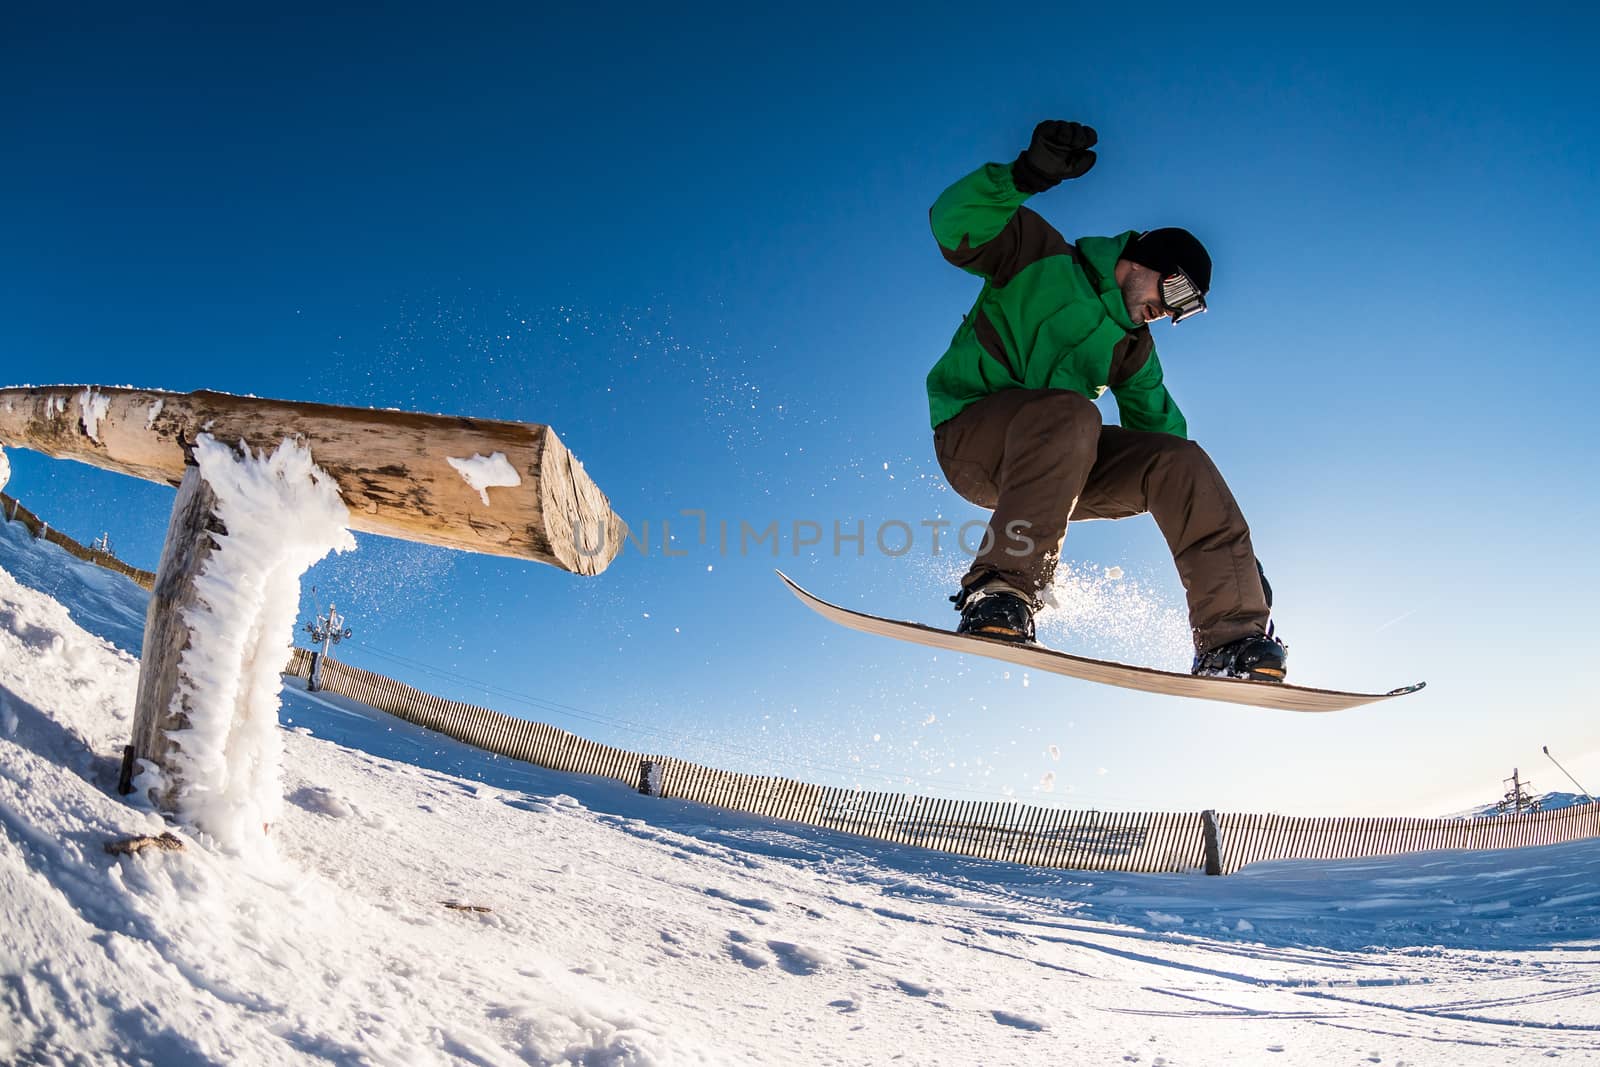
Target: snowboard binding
pixel 1256 657
pixel 995 609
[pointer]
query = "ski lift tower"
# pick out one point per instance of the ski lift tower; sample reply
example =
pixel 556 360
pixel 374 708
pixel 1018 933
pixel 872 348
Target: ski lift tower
pixel 1517 798
pixel 327 631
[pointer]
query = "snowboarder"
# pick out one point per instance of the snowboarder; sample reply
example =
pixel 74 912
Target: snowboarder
pixel 1016 429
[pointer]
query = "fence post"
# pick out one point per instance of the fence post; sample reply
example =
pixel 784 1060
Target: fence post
pixel 314 679
pixel 1213 835
pixel 650 777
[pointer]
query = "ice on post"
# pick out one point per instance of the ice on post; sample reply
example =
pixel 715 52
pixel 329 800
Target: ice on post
pixel 225 605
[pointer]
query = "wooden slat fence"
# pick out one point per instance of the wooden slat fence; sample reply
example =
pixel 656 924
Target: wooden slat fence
pixel 1255 838
pixel 13 511
pixel 990 830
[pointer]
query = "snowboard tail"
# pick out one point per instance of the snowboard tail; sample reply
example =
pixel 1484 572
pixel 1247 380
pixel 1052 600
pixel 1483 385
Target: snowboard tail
pixel 1278 695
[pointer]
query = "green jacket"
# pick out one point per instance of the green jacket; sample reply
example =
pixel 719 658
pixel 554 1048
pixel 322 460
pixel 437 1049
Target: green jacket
pixel 1050 315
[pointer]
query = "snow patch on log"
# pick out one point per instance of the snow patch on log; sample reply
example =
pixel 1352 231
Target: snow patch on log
pixel 94 408
pixel 483 473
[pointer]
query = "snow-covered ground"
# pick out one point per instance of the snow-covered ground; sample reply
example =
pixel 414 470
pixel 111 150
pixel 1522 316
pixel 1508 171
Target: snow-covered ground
pixel 610 928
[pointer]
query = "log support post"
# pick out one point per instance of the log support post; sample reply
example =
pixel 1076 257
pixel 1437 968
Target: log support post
pixel 161 707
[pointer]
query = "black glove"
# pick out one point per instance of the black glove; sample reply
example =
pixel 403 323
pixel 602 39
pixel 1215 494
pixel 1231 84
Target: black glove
pixel 1060 150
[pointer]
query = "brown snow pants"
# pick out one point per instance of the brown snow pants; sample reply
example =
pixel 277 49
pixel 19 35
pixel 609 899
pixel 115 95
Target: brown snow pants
pixel 1039 457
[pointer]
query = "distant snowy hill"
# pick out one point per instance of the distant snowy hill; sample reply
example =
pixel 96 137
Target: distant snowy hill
pixel 593 926
pixel 1547 802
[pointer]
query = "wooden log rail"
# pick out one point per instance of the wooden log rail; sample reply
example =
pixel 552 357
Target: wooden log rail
pixel 393 468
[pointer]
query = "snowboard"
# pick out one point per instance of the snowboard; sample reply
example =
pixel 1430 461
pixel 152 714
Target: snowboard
pixel 1278 695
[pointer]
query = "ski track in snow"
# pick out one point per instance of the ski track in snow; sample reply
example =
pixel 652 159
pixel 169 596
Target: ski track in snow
pixel 621 929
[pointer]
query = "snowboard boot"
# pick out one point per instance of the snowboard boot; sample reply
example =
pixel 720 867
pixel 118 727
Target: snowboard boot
pixel 995 609
pixel 1258 657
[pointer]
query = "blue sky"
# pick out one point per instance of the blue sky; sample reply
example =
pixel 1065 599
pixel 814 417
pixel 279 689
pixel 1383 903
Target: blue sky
pixel 696 244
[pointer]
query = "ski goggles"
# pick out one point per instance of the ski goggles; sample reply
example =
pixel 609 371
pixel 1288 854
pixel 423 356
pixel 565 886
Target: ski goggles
pixel 1181 297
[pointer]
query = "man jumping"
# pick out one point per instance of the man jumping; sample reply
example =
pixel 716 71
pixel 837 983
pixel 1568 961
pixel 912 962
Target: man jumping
pixel 1014 421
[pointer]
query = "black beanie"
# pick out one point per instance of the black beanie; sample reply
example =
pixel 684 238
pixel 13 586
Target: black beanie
pixel 1170 249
